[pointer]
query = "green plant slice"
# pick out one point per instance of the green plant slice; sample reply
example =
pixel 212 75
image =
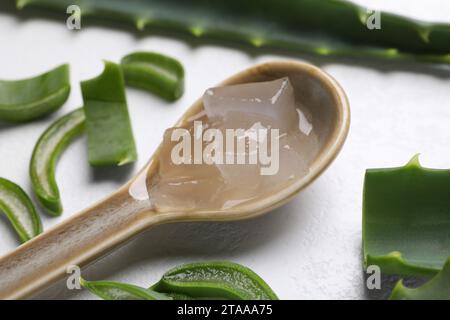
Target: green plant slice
pixel 45 155
pixel 29 99
pixel 108 126
pixel 109 290
pixel 406 219
pixel 19 209
pixel 215 280
pixel 154 72
pixel 326 27
pixel 437 288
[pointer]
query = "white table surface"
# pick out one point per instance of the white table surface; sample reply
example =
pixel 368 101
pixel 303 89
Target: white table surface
pixel 308 249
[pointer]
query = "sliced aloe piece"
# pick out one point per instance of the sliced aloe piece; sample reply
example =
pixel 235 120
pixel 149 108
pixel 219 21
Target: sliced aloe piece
pixel 325 27
pixel 215 280
pixel 437 288
pixel 108 126
pixel 19 209
pixel 45 155
pixel 406 219
pixel 154 72
pixel 109 290
pixel 28 99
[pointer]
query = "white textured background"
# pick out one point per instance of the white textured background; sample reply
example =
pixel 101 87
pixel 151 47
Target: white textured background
pixel 309 249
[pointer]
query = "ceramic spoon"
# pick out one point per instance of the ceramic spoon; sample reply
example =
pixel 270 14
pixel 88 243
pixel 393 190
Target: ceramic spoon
pixel 93 232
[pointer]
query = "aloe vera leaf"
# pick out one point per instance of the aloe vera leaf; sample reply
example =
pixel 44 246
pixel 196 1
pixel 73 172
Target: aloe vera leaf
pixel 109 290
pixel 437 288
pixel 326 27
pixel 108 126
pixel 45 155
pixel 154 72
pixel 406 219
pixel 19 209
pixel 215 280
pixel 28 99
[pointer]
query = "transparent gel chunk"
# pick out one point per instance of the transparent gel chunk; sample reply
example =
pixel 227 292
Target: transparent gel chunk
pixel 271 103
pixel 186 186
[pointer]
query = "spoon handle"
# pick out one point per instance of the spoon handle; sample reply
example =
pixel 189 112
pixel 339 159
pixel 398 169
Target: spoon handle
pixel 75 242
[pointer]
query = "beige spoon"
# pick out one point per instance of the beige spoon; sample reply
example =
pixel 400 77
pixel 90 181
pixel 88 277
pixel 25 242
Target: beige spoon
pixel 95 231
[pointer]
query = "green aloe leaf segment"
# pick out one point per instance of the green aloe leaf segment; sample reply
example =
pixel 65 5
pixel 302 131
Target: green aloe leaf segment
pixel 406 214
pixel 19 210
pixel 325 27
pixel 29 99
pixel 108 126
pixel 45 155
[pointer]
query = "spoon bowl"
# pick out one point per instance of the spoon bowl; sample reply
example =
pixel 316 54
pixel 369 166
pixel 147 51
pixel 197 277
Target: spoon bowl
pixel 97 230
pixel 324 99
